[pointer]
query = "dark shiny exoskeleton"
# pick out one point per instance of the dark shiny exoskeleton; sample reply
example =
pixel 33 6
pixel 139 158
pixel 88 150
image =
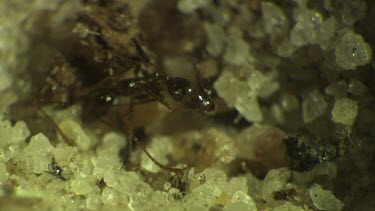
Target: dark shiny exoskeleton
pixel 150 87
pixel 181 90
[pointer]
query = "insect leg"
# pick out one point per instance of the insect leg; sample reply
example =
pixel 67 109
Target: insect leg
pixel 135 139
pixel 49 119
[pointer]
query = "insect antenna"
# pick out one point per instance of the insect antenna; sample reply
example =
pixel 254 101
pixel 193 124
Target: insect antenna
pixel 140 51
